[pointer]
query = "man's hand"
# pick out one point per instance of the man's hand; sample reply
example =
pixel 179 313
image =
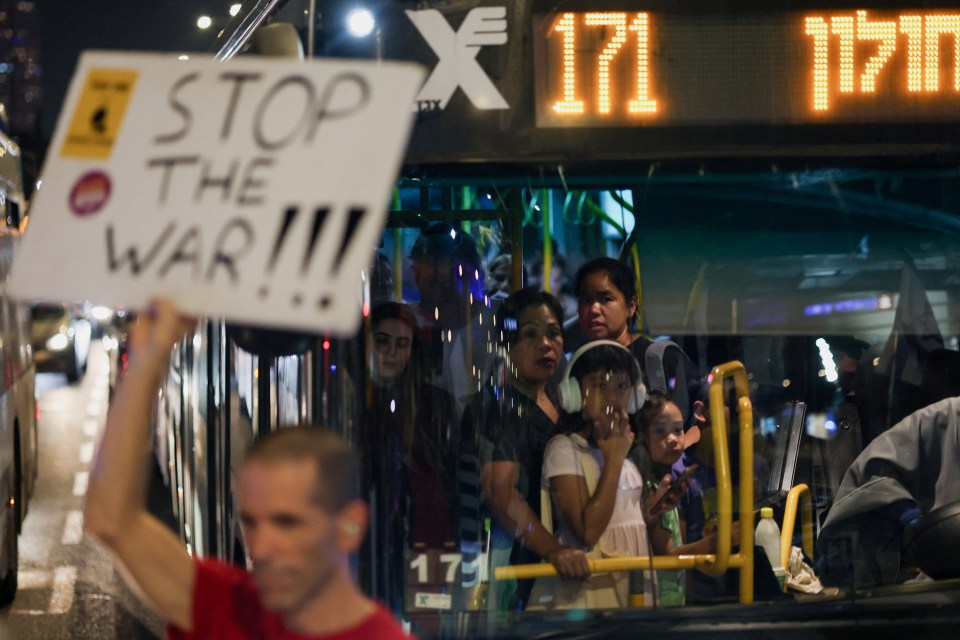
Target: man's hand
pixel 115 508
pixel 569 563
pixel 157 329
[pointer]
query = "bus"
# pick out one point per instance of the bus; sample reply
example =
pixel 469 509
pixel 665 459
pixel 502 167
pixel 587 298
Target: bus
pixel 18 407
pixel 781 178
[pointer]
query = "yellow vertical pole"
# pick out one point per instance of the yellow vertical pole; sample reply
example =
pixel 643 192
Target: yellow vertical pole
pixel 547 243
pixel 745 410
pixel 397 253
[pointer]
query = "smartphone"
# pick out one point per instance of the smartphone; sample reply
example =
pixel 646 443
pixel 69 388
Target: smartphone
pixel 674 487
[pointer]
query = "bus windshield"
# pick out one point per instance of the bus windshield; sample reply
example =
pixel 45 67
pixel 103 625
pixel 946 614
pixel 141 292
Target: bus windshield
pixel 651 278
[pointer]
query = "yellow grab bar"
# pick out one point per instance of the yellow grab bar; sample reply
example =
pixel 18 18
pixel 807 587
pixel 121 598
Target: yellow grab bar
pixel 602 565
pixel 718 420
pixel 711 564
pixel 790 520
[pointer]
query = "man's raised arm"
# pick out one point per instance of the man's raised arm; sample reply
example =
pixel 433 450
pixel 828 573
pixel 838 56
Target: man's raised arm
pixel 115 510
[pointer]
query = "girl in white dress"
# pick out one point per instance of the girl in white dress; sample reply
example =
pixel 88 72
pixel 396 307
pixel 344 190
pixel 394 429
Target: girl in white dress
pixel 596 489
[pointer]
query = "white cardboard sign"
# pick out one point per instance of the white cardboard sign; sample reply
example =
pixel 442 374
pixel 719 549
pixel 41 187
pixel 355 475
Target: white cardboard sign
pixel 254 189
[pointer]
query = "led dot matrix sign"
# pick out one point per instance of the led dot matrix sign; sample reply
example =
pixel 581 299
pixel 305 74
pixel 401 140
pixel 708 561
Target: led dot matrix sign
pixel 668 66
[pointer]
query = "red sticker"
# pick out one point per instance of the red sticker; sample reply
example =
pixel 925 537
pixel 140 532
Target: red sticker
pixel 90 193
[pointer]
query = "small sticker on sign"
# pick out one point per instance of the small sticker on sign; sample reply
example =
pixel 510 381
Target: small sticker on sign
pixel 90 193
pixel 433 601
pixel 99 113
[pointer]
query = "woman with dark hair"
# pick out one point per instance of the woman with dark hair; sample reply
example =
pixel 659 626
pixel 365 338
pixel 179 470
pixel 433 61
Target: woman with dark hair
pixel 607 309
pixel 514 422
pixel 408 430
pixel 607 303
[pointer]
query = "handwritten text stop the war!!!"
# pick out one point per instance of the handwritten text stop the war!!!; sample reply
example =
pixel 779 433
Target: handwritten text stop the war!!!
pixel 238 182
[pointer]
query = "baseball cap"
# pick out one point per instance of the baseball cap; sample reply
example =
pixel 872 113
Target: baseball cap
pixel 441 240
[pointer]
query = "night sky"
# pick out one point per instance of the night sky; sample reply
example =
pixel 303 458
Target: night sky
pixel 70 26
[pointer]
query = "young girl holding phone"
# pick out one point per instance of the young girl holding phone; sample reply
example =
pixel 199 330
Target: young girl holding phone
pixel 663 440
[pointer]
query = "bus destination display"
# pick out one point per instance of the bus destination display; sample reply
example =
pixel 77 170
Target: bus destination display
pixel 637 68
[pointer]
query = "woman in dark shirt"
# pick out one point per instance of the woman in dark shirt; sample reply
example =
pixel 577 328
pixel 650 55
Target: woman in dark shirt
pixel 408 429
pixel 514 422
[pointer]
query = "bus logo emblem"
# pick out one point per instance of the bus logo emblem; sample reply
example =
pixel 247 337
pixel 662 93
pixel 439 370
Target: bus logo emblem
pixel 457 51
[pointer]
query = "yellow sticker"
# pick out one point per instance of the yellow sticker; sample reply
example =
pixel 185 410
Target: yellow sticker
pixel 99 113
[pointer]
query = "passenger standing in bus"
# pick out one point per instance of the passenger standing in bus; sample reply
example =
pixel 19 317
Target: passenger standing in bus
pixel 595 486
pixel 511 426
pixel 408 429
pixel 607 308
pixel 298 496
pixel 457 324
pixel 663 441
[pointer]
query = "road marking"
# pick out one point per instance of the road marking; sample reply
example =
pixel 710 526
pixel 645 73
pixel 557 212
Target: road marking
pixel 73 528
pixel 90 428
pixel 61 600
pixel 86 453
pixel 80 480
pixel 32 579
pixel 93 408
pixel 62 579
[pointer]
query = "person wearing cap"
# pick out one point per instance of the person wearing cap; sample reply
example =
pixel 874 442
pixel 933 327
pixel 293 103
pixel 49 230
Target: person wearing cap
pixel 456 322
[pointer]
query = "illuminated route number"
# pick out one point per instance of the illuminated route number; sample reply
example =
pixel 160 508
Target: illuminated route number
pixel 922 32
pixel 625 27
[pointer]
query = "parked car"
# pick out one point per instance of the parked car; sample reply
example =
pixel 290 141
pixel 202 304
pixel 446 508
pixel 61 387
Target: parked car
pixel 60 339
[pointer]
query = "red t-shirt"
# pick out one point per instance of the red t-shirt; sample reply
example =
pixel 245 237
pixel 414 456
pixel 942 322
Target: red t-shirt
pixel 226 606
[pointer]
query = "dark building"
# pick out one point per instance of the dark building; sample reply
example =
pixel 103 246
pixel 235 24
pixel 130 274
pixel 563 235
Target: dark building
pixel 20 72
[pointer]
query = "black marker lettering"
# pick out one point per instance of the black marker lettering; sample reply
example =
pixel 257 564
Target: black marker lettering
pixel 180 108
pixel 187 250
pixel 288 217
pixel 250 183
pixel 353 221
pixel 229 258
pixel 238 80
pixel 258 135
pixel 324 112
pixel 319 217
pixel 131 256
pixel 168 164
pixel 208 181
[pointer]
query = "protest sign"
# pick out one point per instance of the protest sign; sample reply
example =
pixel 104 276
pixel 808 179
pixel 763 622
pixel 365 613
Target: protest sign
pixel 254 190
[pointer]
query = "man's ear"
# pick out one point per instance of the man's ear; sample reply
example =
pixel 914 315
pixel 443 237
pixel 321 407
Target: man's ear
pixel 352 525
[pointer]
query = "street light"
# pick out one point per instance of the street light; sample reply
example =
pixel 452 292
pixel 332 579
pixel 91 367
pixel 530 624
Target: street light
pixel 360 22
pixel 204 22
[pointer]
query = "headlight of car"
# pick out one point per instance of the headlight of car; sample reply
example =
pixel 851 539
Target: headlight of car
pixel 58 342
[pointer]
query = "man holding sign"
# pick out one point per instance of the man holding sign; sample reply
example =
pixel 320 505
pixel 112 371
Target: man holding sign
pixel 256 191
pixel 298 495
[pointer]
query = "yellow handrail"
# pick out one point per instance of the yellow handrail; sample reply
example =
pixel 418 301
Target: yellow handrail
pixel 602 565
pixel 712 564
pixel 744 558
pixel 790 519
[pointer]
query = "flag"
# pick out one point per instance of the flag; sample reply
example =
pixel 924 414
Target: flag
pixel 914 336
